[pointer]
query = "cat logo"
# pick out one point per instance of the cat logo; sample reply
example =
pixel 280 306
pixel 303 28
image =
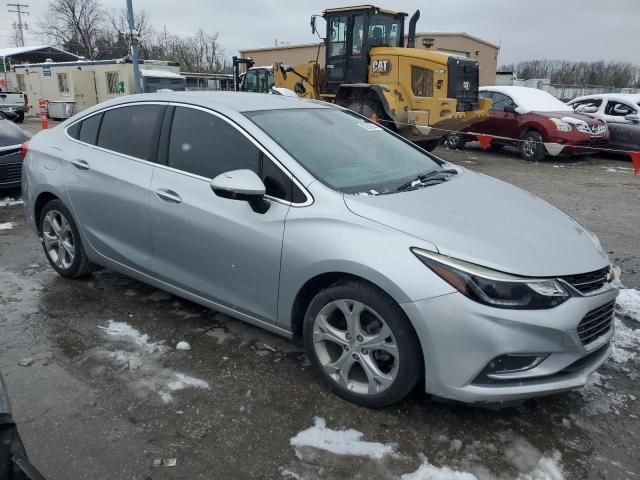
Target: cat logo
pixel 466 85
pixel 382 67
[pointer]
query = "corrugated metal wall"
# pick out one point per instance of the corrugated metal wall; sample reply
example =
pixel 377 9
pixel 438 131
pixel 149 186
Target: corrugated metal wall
pixel 294 55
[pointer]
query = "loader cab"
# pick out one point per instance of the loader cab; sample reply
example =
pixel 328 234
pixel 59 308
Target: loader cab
pixel 351 33
pixel 258 79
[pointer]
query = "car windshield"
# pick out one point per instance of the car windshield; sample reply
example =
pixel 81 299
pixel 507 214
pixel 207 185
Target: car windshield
pixel 343 150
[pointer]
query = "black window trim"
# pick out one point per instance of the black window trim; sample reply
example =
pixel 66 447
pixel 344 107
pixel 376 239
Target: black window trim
pixel 258 145
pixel 309 198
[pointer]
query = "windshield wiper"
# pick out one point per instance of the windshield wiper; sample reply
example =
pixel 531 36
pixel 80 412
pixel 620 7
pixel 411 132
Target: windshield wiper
pixel 431 176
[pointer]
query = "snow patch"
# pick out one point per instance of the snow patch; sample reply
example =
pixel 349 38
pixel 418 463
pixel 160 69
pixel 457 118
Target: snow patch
pixel 339 442
pixel 628 303
pixel 626 343
pixel 9 202
pixel 7 226
pixel 426 471
pixel 530 99
pixel 184 346
pixel 126 331
pixel 142 367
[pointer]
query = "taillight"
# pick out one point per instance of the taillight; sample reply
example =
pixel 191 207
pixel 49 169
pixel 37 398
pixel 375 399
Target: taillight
pixel 26 103
pixel 24 148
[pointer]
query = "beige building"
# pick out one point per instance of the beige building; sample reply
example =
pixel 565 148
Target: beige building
pixel 457 43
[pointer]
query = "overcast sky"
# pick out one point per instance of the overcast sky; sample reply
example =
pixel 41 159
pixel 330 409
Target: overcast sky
pixel 525 29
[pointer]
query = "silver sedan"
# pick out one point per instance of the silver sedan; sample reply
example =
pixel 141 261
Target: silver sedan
pixel 395 267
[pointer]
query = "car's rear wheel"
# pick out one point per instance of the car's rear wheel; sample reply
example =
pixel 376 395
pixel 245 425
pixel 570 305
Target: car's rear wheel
pixel 532 146
pixel 361 343
pixel 61 241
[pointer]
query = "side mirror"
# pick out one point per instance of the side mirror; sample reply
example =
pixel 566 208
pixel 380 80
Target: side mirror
pixel 313 24
pixel 241 185
pixel 510 108
pixel 633 117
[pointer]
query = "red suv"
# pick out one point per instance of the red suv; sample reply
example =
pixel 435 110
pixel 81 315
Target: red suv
pixel 535 122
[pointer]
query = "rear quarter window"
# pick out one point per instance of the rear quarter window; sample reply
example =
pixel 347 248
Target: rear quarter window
pixel 132 130
pixel 89 129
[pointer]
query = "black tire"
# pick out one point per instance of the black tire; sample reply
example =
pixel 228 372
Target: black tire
pixel 455 141
pixel 405 374
pixel 368 107
pixel 20 118
pixel 79 265
pixel 531 146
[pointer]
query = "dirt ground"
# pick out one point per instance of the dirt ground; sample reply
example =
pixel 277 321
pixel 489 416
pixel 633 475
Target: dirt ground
pixel 97 406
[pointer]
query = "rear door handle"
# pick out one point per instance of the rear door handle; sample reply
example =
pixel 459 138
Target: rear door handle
pixel 80 164
pixel 168 196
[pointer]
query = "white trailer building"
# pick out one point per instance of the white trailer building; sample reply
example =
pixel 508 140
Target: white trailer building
pixel 86 83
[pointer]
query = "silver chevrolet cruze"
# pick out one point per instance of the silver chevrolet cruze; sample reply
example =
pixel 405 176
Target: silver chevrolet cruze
pixel 310 221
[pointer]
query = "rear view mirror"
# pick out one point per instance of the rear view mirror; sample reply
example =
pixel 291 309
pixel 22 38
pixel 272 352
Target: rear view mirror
pixel 510 108
pixel 313 24
pixel 633 117
pixel 241 185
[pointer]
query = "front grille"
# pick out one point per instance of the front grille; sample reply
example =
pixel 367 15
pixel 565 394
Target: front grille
pixel 588 282
pixel 591 129
pixel 10 172
pixel 462 84
pixel 596 323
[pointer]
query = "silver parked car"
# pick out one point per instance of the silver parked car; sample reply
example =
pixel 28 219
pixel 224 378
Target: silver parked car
pixel 621 111
pixel 309 220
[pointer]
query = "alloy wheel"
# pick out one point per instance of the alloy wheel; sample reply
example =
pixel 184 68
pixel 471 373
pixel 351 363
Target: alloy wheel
pixel 58 239
pixel 355 347
pixel 529 147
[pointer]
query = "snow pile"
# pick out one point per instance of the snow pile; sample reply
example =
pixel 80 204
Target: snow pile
pixel 426 471
pixel 126 331
pixel 531 99
pixel 141 368
pixel 7 226
pixel 9 202
pixel 628 303
pixel 339 442
pixel 184 346
pixel 626 343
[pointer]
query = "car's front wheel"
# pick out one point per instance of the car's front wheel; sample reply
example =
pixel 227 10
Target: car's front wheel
pixel 532 146
pixel 361 343
pixel 61 241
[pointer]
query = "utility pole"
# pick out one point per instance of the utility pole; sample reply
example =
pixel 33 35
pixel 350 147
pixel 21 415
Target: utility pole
pixel 133 36
pixel 20 9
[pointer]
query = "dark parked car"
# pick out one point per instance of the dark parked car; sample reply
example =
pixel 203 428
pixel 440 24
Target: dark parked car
pixel 11 139
pixel 536 122
pixel 14 464
pixel 621 111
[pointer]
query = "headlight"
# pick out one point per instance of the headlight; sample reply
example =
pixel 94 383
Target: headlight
pixel 490 287
pixel 561 125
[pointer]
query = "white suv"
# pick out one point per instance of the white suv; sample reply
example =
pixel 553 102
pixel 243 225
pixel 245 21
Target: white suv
pixel 621 111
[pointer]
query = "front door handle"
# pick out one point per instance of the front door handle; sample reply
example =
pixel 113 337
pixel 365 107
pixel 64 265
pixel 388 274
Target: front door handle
pixel 168 196
pixel 80 164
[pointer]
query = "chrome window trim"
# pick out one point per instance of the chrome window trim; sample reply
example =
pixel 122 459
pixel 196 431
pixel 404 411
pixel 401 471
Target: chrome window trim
pixel 309 198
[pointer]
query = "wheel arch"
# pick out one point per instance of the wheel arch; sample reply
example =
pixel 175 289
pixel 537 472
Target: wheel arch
pixel 347 92
pixel 314 284
pixel 533 127
pixel 42 199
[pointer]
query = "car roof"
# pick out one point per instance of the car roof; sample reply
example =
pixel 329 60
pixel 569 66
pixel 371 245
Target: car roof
pixel 628 97
pixel 228 101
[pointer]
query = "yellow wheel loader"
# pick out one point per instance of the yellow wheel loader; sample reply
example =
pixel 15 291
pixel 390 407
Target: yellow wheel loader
pixel 418 93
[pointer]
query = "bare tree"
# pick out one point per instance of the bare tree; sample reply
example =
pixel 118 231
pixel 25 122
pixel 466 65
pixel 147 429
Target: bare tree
pixel 75 25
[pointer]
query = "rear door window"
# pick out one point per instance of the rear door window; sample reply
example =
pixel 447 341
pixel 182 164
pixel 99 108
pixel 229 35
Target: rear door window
pixel 132 130
pixel 205 145
pixel 89 129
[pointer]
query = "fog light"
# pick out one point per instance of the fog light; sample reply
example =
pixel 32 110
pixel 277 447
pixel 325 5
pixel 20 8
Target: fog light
pixel 506 367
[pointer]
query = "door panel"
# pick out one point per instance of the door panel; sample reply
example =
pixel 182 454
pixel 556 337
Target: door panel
pixel 217 248
pixel 84 89
pixel 110 198
pixel 337 28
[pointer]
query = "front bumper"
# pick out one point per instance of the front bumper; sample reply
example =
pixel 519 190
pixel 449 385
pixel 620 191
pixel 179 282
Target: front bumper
pixel 576 144
pixel 10 167
pixel 459 338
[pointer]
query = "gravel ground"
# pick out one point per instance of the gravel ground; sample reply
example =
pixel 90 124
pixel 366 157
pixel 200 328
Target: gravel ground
pixel 93 405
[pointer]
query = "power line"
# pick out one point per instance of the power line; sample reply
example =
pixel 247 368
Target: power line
pixel 20 9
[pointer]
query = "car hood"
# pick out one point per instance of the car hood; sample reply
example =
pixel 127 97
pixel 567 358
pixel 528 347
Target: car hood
pixel 570 117
pixel 11 134
pixel 485 221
